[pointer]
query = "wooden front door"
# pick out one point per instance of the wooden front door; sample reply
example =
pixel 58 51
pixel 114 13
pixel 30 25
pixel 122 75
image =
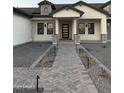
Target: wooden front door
pixel 65 31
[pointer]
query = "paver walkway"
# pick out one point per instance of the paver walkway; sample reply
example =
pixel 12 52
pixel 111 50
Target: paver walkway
pixel 68 75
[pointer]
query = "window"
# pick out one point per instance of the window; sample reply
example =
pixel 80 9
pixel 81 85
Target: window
pixel 90 28
pixel 81 28
pixel 40 28
pixel 45 10
pixel 49 28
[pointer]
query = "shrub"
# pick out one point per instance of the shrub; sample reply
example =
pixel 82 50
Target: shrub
pixel 103 46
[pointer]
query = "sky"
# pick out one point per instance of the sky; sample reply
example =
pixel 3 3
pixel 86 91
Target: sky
pixel 33 3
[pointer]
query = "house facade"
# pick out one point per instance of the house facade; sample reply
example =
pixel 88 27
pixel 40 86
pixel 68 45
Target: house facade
pixel 107 7
pixel 78 22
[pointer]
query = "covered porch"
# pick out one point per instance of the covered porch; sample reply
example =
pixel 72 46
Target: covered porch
pixel 72 24
pixel 80 30
pixel 66 24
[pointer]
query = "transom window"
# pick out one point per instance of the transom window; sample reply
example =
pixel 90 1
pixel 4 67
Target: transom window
pixel 50 28
pixel 90 28
pixel 82 28
pixel 40 28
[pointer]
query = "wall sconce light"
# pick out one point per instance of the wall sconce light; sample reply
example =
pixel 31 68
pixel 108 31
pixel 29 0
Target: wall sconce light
pixel 86 25
pixel 44 25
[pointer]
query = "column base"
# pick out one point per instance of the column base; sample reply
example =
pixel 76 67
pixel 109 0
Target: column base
pixel 55 39
pixel 77 39
pixel 104 38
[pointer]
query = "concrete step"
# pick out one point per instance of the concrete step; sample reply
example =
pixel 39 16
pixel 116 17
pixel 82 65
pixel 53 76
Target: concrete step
pixel 66 42
pixel 47 91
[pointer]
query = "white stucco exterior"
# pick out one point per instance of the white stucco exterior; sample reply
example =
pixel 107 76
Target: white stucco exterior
pixel 90 13
pixel 57 26
pixel 25 29
pixel 40 37
pixel 97 31
pixel 75 26
pixel 67 13
pixel 21 29
pixel 103 26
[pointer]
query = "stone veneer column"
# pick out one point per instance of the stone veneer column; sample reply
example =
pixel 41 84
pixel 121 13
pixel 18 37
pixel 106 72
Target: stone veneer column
pixel 104 30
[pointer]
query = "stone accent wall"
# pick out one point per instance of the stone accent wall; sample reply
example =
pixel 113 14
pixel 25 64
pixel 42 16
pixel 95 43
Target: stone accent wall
pixel 77 38
pixel 55 39
pixel 104 38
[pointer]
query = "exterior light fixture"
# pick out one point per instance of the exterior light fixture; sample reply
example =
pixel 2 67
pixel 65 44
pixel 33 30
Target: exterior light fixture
pixel 86 25
pixel 44 25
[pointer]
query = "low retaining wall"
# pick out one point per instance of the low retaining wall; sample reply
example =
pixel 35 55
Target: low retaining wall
pixel 100 75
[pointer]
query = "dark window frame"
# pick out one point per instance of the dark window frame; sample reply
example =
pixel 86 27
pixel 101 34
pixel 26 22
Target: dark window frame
pixel 81 32
pixel 91 29
pixel 40 27
pixel 50 30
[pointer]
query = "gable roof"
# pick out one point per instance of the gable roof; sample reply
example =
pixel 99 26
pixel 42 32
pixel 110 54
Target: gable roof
pixel 67 7
pixel 46 2
pixel 97 5
pixel 15 10
pixel 98 9
pixel 35 11
pixel 106 4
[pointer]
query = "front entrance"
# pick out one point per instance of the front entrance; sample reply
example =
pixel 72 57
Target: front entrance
pixel 65 31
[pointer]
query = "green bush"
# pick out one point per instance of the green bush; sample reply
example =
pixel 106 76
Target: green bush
pixel 103 46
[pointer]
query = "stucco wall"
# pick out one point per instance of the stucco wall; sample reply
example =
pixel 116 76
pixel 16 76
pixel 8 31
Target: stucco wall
pixel 67 13
pixel 40 37
pixel 90 13
pixel 21 29
pixel 96 35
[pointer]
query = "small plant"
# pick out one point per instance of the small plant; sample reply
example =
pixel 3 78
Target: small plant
pixel 103 46
pixel 88 62
pixel 45 61
pixel 92 61
pixel 102 72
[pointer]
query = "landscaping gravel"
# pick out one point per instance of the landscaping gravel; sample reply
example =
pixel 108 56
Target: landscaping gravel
pixel 99 75
pixel 101 53
pixel 24 55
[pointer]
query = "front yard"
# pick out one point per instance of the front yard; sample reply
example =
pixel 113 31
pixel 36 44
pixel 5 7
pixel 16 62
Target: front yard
pixel 24 55
pixel 101 51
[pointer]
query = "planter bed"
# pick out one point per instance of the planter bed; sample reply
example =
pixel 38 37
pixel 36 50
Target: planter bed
pixel 100 75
